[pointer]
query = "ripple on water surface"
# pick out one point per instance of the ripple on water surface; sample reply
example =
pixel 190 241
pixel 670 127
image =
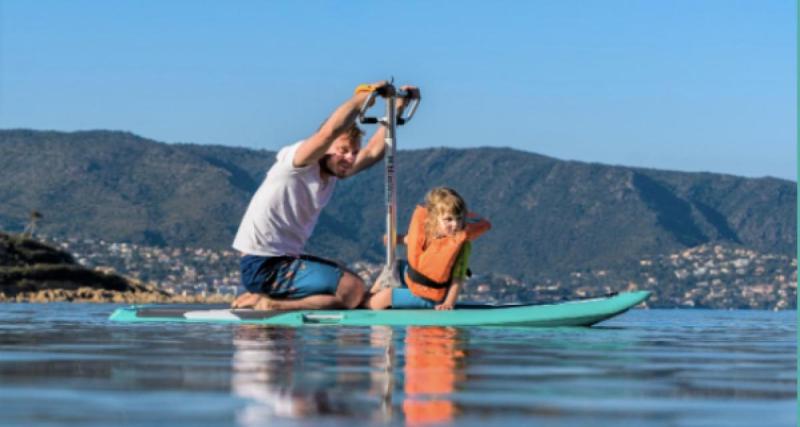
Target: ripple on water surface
pixel 63 364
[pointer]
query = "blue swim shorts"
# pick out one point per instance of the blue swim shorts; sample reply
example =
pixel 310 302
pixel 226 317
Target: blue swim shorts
pixel 290 277
pixel 403 297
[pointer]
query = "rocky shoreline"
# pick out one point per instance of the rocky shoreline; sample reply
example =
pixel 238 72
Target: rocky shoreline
pixel 33 272
pixel 92 295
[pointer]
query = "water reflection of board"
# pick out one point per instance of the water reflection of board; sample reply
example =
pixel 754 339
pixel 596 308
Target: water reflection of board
pixel 584 312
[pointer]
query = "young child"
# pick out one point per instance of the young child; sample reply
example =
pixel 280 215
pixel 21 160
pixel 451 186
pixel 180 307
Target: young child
pixel 438 243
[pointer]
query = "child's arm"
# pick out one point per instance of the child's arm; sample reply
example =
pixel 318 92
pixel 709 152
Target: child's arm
pixel 460 273
pixel 452 296
pixel 476 225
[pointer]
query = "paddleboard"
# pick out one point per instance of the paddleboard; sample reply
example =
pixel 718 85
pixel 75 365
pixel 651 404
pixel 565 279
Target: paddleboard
pixel 585 312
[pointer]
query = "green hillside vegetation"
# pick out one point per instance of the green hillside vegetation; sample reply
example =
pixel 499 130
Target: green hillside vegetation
pixel 550 216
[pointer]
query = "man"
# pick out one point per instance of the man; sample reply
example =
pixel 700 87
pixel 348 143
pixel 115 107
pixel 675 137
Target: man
pixel 285 208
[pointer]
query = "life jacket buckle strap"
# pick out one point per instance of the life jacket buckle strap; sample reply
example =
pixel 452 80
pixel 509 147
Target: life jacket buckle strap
pixel 420 278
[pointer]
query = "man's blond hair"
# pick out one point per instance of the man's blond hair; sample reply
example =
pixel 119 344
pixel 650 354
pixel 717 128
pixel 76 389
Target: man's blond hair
pixel 353 132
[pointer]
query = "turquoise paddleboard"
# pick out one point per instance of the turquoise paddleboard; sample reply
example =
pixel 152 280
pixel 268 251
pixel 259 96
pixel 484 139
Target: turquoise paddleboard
pixel 584 312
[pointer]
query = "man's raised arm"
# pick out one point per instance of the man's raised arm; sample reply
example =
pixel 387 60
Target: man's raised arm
pixel 374 150
pixel 315 146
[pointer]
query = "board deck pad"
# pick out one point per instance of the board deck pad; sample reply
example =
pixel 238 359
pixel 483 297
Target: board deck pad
pixel 585 312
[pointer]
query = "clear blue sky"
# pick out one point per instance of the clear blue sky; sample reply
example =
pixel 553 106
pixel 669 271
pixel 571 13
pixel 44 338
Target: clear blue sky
pixel 691 85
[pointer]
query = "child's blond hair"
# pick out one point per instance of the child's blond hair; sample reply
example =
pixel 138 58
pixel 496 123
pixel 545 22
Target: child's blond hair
pixel 439 201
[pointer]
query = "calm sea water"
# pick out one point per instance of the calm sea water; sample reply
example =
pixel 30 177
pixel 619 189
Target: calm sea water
pixel 66 364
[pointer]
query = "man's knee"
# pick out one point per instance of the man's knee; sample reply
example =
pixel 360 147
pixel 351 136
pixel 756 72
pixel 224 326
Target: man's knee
pixel 350 290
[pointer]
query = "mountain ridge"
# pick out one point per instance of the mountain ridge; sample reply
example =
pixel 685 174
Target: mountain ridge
pixel 549 215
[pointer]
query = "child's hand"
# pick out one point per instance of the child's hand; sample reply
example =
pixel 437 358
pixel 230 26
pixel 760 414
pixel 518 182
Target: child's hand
pixel 445 306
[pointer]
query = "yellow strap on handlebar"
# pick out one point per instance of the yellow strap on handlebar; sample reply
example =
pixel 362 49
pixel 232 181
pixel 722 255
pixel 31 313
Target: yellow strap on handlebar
pixel 365 88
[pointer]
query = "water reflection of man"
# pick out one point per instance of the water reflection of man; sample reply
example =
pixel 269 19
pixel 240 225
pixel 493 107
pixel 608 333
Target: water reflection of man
pixel 263 373
pixel 268 371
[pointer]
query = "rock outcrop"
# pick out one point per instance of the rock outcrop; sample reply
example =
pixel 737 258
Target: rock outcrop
pixel 31 271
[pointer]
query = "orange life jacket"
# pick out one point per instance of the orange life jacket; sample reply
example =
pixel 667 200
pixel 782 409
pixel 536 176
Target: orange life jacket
pixel 431 263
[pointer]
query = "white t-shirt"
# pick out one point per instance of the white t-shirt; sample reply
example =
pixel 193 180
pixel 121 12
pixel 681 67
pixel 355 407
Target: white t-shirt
pixel 285 208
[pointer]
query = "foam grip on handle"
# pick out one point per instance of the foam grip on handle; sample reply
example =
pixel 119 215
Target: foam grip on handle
pixel 364 88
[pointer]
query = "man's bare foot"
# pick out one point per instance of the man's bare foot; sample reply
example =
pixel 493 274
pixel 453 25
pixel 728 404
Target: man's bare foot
pixel 245 300
pixel 266 303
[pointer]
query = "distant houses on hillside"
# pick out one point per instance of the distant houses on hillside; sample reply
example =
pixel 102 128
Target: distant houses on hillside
pixel 708 276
